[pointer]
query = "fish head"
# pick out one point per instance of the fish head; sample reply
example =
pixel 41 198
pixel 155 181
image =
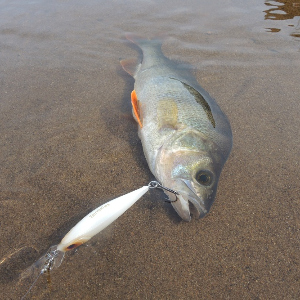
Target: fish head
pixel 190 166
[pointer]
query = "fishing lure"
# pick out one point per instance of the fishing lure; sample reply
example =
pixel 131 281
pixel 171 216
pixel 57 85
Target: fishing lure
pixel 85 229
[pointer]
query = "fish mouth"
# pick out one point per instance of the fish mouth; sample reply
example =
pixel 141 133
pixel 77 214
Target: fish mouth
pixel 188 202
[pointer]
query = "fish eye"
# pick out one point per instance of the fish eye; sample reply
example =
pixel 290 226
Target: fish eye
pixel 204 177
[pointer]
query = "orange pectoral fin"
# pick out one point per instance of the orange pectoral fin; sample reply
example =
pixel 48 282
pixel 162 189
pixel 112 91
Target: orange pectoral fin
pixel 136 107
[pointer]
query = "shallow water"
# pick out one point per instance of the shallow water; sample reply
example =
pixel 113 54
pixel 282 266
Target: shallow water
pixel 68 143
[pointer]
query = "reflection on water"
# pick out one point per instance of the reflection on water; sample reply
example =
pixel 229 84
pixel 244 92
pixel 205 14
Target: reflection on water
pixel 273 29
pixel 283 10
pixel 296 32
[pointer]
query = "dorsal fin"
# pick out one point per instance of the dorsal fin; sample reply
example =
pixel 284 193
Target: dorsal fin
pixel 131 65
pixel 136 108
pixel 200 100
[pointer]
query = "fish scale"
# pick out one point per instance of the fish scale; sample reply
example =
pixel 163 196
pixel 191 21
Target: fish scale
pixel 185 135
pixel 190 112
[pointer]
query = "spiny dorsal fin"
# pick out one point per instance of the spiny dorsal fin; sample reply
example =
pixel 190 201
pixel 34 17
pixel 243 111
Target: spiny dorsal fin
pixel 136 108
pixel 200 100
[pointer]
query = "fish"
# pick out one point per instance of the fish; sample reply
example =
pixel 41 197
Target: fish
pixel 186 137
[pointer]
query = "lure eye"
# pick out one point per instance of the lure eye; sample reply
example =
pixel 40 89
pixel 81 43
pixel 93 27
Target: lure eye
pixel 204 177
pixel 72 246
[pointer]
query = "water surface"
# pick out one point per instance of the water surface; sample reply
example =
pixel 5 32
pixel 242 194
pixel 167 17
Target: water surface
pixel 68 143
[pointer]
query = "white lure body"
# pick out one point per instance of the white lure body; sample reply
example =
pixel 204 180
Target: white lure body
pixel 98 219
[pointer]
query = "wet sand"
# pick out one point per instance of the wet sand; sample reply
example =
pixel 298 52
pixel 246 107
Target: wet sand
pixel 68 143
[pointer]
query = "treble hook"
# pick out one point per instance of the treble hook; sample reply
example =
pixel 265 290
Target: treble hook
pixel 157 185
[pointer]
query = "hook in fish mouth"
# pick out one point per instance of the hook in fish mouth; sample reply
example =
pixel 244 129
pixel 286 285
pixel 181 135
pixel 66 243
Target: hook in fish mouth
pixel 189 202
